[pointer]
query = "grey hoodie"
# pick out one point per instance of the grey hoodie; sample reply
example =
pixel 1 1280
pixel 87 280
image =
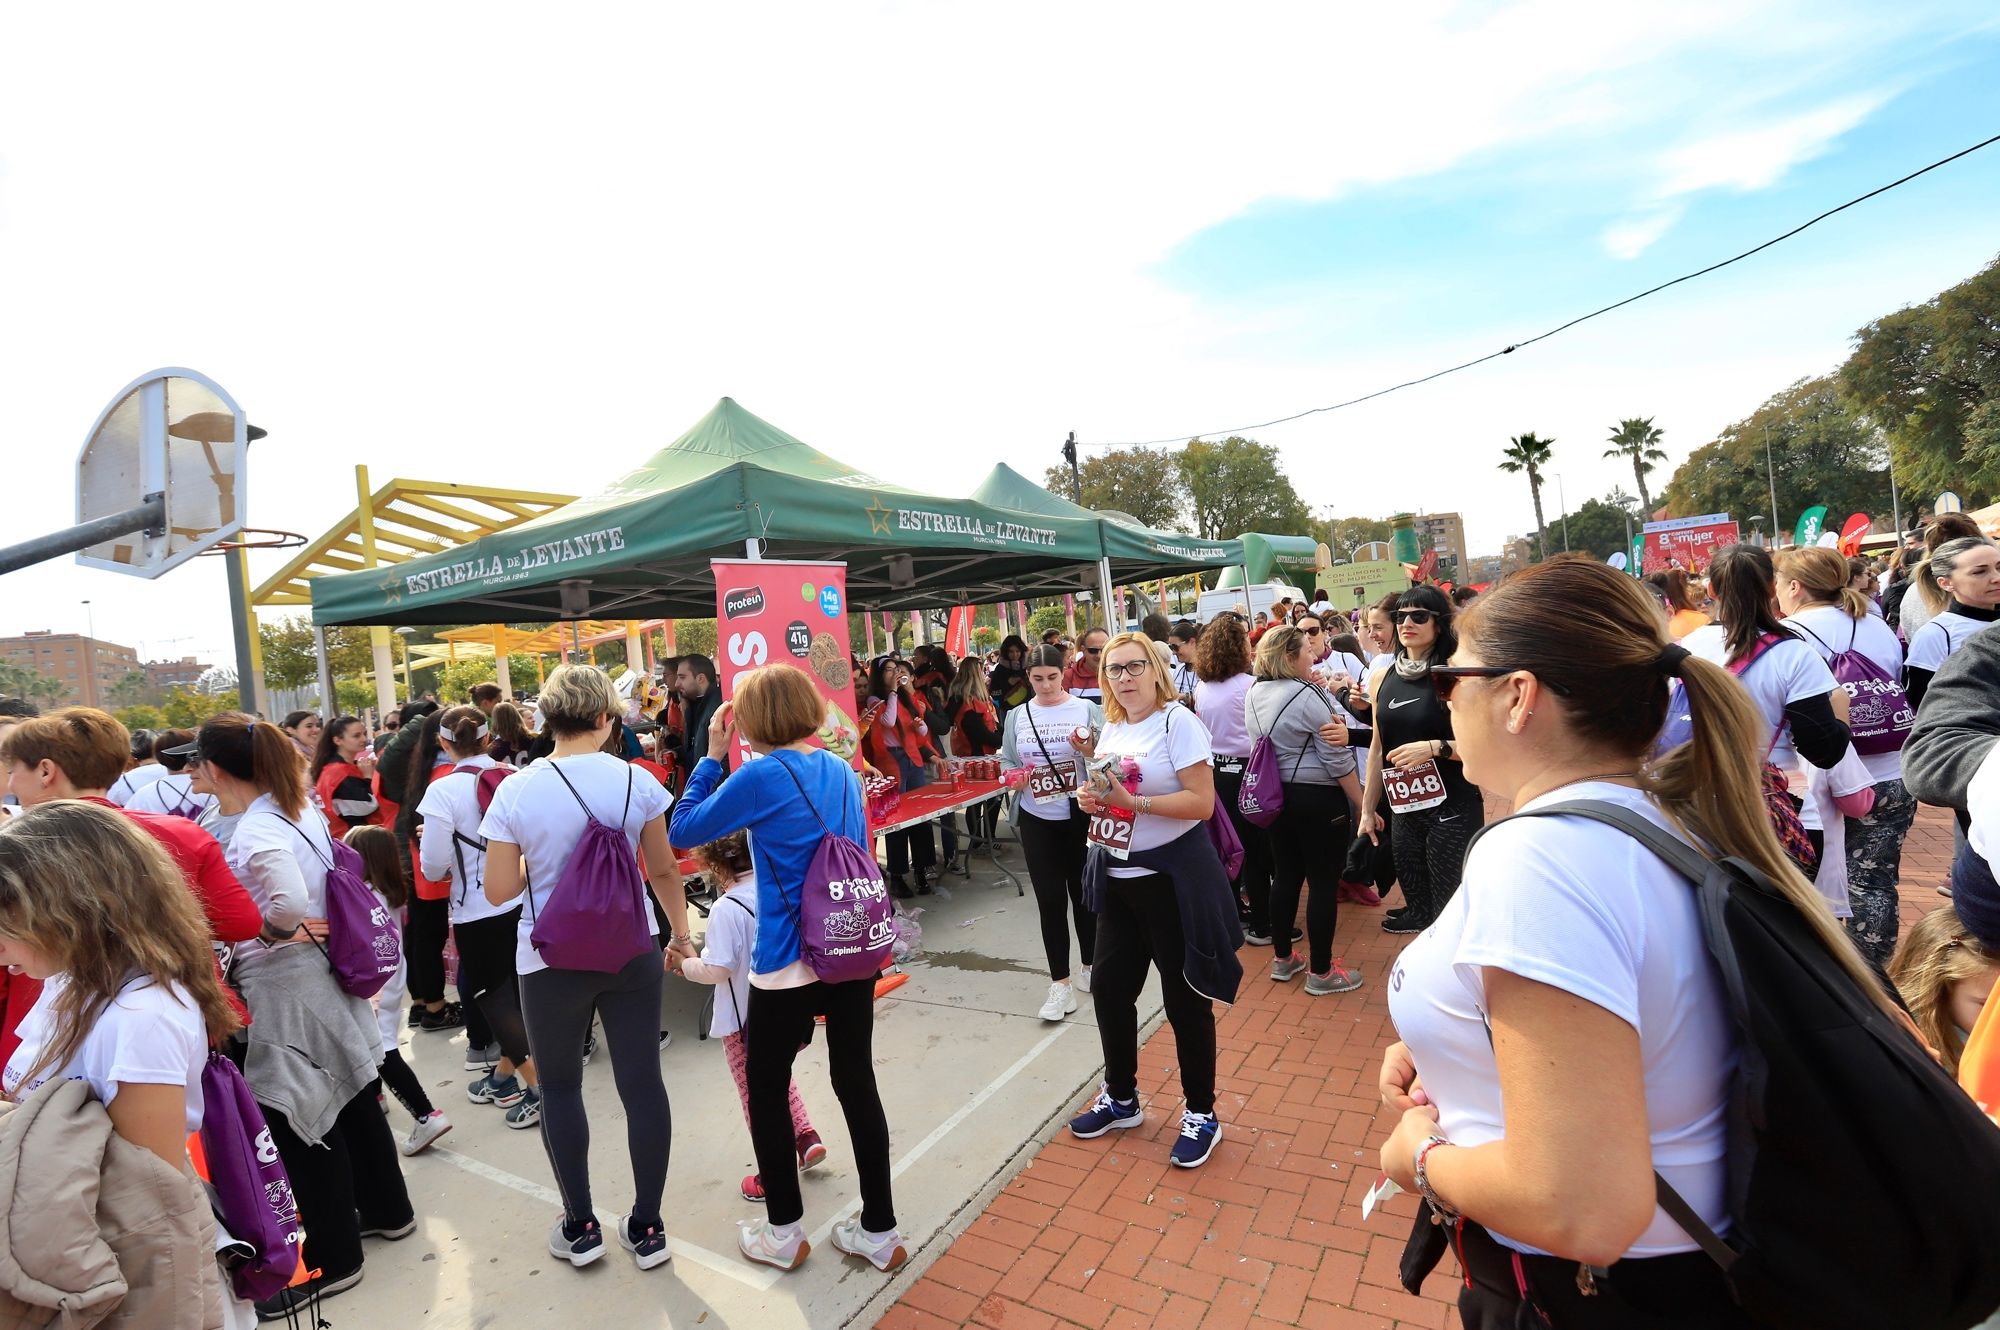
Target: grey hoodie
pixel 1303 757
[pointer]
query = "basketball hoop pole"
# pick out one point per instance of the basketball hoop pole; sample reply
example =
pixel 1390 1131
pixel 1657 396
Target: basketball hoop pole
pixel 149 516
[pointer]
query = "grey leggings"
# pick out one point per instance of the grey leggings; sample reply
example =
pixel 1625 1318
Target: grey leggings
pixel 557 1005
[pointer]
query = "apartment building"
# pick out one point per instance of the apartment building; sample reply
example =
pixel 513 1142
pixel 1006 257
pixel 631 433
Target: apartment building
pixel 87 666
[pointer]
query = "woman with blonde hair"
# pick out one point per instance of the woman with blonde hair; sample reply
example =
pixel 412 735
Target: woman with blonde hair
pixel 1831 617
pixel 313 1048
pixel 1309 739
pixel 1571 971
pixel 533 827
pixel 93 907
pixel 1931 599
pixel 1945 976
pixel 789 799
pixel 1965 573
pixel 1161 896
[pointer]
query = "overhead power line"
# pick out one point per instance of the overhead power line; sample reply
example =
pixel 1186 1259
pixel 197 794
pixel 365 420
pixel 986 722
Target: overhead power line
pixel 1563 327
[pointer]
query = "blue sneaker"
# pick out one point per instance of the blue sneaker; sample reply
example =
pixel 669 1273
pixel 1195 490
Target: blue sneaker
pixel 1105 1114
pixel 500 1093
pixel 1199 1133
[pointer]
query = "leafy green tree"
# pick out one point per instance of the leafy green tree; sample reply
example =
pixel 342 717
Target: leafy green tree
pixel 1638 440
pixel 289 658
pixel 26 681
pixel 1820 451
pixel 141 717
pixel 1923 374
pixel 1042 620
pixel 1525 452
pixel 456 678
pixel 1343 534
pixel 1140 481
pixel 695 637
pixel 187 708
pixel 1239 485
pixel 1597 528
pixel 129 691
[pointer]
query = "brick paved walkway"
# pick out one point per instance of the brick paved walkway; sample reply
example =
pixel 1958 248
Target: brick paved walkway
pixel 1106 1235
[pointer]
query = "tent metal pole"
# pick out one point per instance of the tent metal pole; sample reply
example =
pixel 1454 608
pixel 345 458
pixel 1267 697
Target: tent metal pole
pixel 1104 594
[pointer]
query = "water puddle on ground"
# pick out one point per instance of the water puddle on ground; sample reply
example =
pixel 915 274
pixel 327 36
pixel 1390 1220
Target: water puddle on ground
pixel 973 960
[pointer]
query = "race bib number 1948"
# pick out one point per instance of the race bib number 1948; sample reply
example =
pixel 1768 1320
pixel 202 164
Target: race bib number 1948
pixel 1410 791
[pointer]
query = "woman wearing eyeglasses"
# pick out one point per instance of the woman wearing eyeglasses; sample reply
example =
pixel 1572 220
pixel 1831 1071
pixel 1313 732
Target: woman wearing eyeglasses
pixel 1159 891
pixel 1413 763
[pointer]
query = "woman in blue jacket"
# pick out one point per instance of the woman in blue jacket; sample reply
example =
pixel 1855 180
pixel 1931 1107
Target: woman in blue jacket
pixel 789 797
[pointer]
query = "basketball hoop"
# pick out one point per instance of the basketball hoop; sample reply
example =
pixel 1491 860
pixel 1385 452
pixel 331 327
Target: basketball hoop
pixel 272 540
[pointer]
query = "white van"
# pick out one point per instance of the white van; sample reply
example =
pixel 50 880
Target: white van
pixel 1259 599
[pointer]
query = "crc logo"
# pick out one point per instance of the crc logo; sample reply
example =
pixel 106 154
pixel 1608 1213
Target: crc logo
pixel 742 602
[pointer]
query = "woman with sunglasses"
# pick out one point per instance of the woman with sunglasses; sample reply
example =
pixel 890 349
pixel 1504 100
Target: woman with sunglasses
pixel 1413 764
pixel 1160 894
pixel 1563 1030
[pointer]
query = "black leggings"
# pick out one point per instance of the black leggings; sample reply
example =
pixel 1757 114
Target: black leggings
pixel 486 979
pixel 1140 924
pixel 423 951
pixel 1430 851
pixel 350 1181
pixel 779 1024
pixel 1253 883
pixel 403 1083
pixel 1055 852
pixel 1308 845
pixel 557 1005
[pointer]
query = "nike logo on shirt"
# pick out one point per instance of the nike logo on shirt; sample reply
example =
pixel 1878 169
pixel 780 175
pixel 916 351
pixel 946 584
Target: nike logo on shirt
pixel 1403 702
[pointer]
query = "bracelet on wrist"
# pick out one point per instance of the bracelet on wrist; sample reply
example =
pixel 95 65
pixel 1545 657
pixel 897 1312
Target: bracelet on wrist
pixel 1440 1212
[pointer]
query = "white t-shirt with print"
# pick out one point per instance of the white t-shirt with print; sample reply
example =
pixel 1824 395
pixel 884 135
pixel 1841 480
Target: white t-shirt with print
pixel 1790 671
pixel 1833 631
pixel 1931 644
pixel 1049 727
pixel 147 1035
pixel 133 781
pixel 451 805
pixel 1164 744
pixel 169 794
pixel 534 811
pixel 1584 908
pixel 269 855
pixel 727 945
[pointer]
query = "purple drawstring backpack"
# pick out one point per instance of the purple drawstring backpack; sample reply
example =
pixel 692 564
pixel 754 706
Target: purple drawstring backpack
pixel 253 1195
pixel 846 920
pixel 1261 797
pixel 362 944
pixel 1879 713
pixel 596 918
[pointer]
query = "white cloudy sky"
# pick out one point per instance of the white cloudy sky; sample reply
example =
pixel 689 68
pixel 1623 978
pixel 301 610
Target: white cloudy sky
pixel 530 244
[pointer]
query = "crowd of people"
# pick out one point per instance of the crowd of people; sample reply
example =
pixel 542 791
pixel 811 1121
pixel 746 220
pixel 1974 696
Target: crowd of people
pixel 1188 798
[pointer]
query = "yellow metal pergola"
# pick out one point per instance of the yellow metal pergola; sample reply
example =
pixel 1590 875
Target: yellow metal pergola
pixel 405 519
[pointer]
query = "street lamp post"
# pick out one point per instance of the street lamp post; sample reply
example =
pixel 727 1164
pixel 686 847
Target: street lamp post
pixel 1565 507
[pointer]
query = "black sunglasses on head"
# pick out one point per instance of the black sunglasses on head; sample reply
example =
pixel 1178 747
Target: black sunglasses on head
pixel 1444 678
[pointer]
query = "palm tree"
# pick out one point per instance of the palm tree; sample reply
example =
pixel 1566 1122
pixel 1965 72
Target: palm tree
pixel 1527 453
pixel 1639 440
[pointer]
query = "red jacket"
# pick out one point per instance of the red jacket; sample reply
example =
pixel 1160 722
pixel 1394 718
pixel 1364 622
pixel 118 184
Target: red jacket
pixel 875 740
pixel 336 774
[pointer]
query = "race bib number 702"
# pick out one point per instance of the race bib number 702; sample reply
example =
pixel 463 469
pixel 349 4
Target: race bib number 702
pixel 1112 829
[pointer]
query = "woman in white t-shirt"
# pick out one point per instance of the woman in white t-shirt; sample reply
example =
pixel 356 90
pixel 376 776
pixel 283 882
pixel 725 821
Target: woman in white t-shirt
pixel 532 828
pixel 1161 896
pixel 1804 708
pixel 314 1049
pixel 93 907
pixel 1570 969
pixel 1967 572
pixel 1037 736
pixel 450 848
pixel 1222 671
pixel 1830 616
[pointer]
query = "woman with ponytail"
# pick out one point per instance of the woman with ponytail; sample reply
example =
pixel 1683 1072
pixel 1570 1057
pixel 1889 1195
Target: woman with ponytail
pixel 1832 617
pixel 1563 1031
pixel 313 1049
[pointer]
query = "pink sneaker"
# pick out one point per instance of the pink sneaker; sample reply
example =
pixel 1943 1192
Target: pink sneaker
pixel 812 1153
pixel 1360 893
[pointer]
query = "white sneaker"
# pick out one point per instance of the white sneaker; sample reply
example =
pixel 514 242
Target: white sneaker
pixel 1061 1002
pixel 759 1240
pixel 426 1133
pixel 884 1251
pixel 1081 979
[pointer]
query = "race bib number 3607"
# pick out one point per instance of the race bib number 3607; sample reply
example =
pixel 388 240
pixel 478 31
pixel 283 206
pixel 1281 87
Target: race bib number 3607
pixel 1112 829
pixel 1410 791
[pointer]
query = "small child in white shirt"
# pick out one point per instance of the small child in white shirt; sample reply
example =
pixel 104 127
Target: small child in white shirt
pixel 725 963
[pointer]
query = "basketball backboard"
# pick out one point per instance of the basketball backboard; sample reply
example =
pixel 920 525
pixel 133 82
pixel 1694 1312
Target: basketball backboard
pixel 171 432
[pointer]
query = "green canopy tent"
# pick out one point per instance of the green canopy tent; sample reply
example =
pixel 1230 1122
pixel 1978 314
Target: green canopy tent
pixel 732 486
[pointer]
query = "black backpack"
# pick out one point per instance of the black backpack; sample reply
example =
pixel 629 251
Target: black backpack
pixel 1860 1174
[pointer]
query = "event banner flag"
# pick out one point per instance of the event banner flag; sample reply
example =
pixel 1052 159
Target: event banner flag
pixel 1687 543
pixel 795 613
pixel 958 634
pixel 1811 521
